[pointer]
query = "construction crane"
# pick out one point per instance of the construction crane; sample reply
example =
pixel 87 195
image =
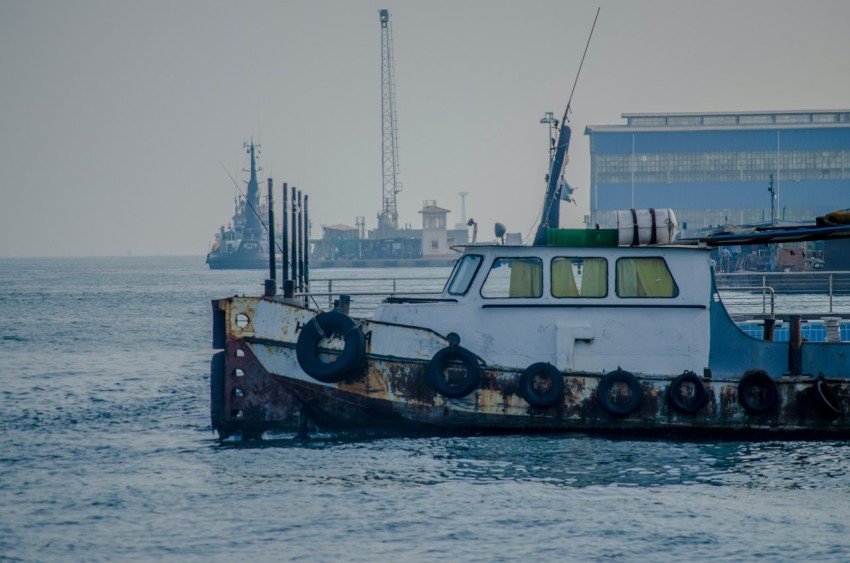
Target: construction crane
pixel 388 217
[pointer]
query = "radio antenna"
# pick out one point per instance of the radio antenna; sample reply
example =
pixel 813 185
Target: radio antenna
pixel 567 111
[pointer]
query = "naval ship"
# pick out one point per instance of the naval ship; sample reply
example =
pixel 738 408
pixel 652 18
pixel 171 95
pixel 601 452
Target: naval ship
pixel 243 244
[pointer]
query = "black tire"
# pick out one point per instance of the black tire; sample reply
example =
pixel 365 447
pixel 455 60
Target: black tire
pixel 534 397
pixel 757 378
pixel 825 401
pixel 617 408
pixel 693 404
pixel 447 357
pixel 322 326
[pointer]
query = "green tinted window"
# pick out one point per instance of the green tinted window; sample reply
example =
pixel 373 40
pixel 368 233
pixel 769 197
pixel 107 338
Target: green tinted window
pixel 579 277
pixel 514 277
pixel 645 277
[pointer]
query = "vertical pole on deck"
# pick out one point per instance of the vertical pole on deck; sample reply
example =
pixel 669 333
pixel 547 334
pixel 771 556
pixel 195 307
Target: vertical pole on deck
pixel 270 285
pixel 795 345
pixel 306 245
pixel 272 243
pixel 285 239
pixel 301 243
pixel 294 239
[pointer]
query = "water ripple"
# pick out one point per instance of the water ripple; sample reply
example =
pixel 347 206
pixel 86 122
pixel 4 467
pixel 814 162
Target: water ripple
pixel 108 455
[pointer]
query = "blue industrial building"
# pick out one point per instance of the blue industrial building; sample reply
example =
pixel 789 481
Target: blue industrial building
pixel 722 168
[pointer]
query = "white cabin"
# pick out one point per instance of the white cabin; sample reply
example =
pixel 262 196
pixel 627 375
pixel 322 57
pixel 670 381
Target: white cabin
pixel 582 309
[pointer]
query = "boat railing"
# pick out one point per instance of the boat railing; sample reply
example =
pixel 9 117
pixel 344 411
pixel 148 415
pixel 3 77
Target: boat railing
pixel 830 286
pixel 368 293
pixel 746 297
pixel 768 295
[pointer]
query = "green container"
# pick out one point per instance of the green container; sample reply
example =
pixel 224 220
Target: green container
pixel 582 237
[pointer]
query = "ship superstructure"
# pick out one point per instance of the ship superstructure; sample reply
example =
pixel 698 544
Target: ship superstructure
pixel 243 244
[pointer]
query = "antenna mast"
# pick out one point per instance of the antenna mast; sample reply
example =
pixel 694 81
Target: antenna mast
pixel 550 218
pixel 388 217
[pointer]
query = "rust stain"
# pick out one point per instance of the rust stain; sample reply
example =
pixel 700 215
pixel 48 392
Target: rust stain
pixel 729 406
pixel 251 395
pixel 410 382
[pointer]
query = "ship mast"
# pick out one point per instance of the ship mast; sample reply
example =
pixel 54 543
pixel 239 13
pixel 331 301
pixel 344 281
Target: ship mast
pixel 252 230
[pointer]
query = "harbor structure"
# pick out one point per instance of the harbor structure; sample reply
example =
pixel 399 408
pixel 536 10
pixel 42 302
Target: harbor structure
pixel 435 240
pixel 391 243
pixel 722 168
pixel 344 246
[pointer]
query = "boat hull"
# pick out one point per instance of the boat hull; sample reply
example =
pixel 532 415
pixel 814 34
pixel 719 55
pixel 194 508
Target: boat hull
pixel 238 261
pixel 259 385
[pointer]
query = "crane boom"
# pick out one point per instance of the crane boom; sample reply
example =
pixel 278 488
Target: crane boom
pixel 388 217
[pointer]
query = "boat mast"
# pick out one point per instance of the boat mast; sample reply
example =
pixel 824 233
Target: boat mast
pixel 551 216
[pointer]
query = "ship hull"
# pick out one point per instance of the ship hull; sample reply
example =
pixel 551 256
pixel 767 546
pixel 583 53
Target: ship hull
pixel 239 260
pixel 259 385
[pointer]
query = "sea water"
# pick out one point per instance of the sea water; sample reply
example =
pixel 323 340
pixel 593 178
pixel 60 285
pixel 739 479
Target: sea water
pixel 106 453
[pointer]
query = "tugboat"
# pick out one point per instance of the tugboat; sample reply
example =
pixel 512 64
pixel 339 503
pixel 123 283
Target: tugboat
pixel 583 331
pixel 243 245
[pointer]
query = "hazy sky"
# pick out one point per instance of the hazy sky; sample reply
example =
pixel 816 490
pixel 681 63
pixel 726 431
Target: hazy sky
pixel 114 115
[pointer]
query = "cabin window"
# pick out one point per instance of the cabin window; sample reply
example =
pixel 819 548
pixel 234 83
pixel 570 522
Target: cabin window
pixel 463 274
pixel 579 277
pixel 645 277
pixel 514 277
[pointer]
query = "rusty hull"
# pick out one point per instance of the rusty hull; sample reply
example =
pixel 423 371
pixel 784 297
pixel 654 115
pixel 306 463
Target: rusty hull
pixel 394 395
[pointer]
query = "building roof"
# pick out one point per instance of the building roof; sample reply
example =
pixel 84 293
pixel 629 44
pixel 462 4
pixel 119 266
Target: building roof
pixel 796 119
pixel 434 209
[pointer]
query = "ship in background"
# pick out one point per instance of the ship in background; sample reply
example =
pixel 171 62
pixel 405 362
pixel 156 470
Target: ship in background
pixel 243 244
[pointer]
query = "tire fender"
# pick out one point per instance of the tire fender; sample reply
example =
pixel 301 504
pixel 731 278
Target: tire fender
pixel 534 397
pixel 446 357
pixel 348 360
pixel 752 379
pixel 617 408
pixel 674 396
